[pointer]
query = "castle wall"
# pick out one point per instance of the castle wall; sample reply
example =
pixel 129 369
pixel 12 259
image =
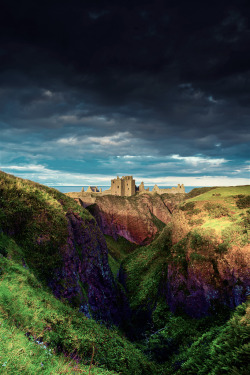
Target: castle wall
pixel 116 186
pixel 125 187
pixel 174 190
pixel 129 186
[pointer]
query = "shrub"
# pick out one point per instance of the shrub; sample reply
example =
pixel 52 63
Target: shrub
pixel 243 201
pixel 222 248
pixel 196 222
pixel 188 206
pixel 216 210
pixel 221 350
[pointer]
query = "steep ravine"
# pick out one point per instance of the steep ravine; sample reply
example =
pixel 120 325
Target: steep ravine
pixel 185 267
pixel 63 245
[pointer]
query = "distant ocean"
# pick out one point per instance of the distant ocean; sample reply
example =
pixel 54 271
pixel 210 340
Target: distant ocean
pixel 70 189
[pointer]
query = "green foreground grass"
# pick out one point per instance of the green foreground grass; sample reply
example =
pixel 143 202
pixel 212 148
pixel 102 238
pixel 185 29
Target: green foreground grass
pixel 27 310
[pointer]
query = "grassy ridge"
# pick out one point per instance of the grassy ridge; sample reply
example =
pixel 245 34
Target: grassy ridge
pixel 222 350
pixel 35 216
pixel 22 355
pixel 223 209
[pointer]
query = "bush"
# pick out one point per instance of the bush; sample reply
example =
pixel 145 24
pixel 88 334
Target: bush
pixel 196 222
pixel 243 201
pixel 221 350
pixel 222 248
pixel 216 210
pixel 188 206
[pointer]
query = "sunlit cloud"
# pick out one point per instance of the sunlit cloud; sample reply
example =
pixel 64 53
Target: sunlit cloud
pixel 196 160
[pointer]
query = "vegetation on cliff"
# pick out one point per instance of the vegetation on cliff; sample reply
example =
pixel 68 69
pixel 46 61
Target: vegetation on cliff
pixel 62 244
pixel 193 271
pixel 40 334
pixel 182 288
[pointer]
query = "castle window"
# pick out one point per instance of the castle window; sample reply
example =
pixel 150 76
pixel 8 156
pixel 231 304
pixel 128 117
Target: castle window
pixel 117 187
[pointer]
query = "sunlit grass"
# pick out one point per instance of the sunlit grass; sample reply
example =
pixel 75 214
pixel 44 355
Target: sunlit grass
pixel 223 191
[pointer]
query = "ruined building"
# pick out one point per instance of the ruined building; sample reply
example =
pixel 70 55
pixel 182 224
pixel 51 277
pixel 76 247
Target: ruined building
pixel 124 186
pixel 174 190
pixel 93 189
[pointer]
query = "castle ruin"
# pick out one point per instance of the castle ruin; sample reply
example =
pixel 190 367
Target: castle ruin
pixel 174 190
pixel 125 187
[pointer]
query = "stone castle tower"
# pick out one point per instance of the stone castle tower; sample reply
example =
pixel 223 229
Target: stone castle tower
pixel 124 186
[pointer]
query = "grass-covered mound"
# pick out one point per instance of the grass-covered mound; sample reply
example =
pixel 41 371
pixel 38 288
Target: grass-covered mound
pixel 30 315
pixel 35 216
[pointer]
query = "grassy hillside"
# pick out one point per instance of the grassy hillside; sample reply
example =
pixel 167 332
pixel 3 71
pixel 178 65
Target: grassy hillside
pixel 205 229
pixel 35 214
pixel 118 250
pixel 203 250
pixel 62 244
pixel 30 315
pixel 225 210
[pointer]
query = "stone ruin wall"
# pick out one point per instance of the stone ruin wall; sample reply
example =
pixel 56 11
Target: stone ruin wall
pixel 174 190
pixel 124 186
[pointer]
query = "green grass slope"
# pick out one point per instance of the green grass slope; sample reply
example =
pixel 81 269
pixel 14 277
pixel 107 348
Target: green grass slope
pixel 118 250
pixel 205 229
pixel 145 271
pixel 35 216
pixel 29 314
pixel 223 350
pixel 223 209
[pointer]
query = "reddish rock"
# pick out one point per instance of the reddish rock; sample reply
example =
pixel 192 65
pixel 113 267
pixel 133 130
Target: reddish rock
pixel 131 217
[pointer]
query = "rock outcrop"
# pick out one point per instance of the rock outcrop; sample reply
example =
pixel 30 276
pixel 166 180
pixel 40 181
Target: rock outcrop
pixel 84 277
pixel 190 274
pixel 206 285
pixel 136 218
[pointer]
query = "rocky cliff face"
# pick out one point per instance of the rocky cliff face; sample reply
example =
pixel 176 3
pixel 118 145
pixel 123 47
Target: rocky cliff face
pixel 207 284
pixel 136 218
pixel 84 277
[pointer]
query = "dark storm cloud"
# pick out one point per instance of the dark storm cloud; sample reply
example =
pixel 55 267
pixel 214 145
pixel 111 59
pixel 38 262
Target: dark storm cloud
pixel 149 77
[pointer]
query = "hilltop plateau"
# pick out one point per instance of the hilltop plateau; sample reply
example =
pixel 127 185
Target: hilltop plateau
pixel 145 284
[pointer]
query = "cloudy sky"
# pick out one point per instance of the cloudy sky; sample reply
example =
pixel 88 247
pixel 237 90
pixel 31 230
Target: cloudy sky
pixel 155 89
